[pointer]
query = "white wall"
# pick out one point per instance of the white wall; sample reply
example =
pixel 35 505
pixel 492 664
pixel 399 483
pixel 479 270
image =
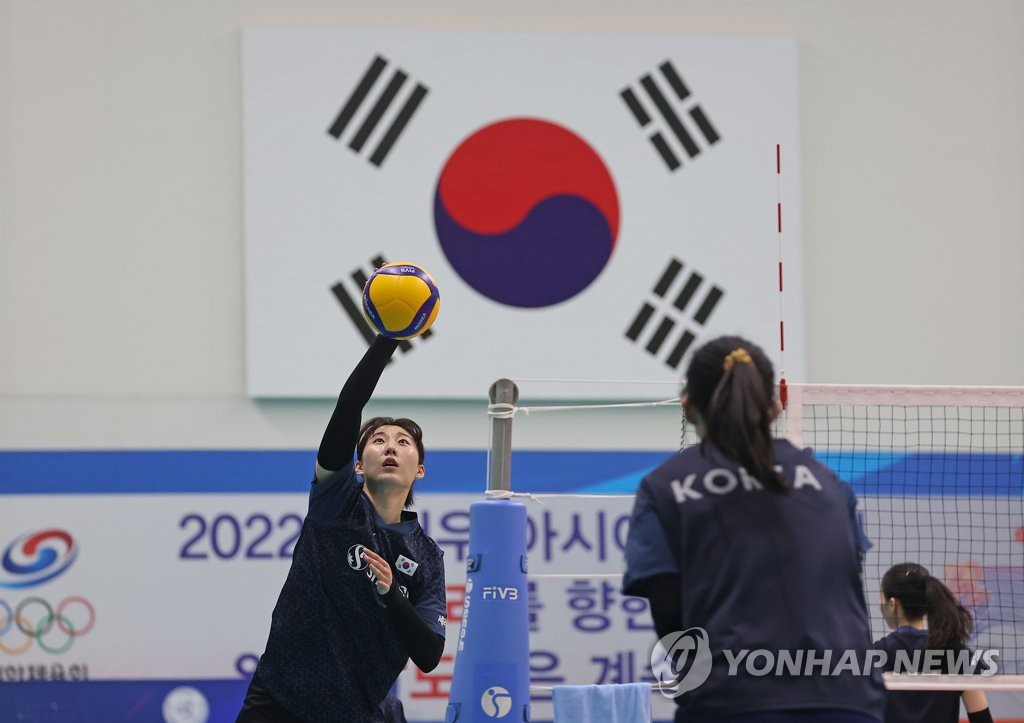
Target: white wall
pixel 121 319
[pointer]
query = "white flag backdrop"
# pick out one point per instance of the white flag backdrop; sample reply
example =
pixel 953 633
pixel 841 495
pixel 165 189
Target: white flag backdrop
pixel 553 149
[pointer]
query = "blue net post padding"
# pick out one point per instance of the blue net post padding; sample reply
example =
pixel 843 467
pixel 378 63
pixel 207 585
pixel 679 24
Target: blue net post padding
pixel 491 679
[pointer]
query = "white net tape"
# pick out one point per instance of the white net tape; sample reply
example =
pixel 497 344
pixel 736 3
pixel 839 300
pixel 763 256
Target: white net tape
pixel 954 682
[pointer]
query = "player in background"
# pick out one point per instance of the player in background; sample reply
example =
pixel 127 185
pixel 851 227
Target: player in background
pixel 924 615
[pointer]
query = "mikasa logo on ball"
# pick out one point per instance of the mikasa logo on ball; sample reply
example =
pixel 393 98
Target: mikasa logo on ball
pixel 401 300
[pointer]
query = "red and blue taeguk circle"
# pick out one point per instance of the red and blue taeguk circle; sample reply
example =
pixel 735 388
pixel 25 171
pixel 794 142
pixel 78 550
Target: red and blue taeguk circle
pixel 36 557
pixel 526 212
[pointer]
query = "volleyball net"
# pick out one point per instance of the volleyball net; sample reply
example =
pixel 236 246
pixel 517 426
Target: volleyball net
pixel 939 476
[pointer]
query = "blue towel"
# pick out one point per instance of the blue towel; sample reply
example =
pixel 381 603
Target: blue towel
pixel 623 703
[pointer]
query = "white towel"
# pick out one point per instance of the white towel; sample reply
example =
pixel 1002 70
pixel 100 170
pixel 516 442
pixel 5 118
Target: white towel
pixel 622 703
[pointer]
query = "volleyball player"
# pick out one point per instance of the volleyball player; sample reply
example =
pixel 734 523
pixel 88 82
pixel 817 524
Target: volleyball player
pixel 923 615
pixel 365 592
pixel 756 542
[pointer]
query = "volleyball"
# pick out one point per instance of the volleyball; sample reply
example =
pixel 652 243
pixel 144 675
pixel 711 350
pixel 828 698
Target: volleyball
pixel 401 300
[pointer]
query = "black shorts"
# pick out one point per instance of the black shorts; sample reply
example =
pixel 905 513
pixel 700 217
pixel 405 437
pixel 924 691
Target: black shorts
pixel 259 707
pixel 802 716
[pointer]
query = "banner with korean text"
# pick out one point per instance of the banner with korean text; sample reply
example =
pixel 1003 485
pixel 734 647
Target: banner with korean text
pixel 147 579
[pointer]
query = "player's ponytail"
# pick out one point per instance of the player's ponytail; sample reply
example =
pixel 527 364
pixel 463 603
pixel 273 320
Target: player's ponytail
pixel 921 595
pixel 949 622
pixel 730 382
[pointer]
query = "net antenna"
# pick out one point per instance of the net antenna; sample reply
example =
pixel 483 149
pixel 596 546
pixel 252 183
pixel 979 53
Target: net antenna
pixel 783 389
pixel 492 662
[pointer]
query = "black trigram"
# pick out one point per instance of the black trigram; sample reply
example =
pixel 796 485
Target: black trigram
pixel 354 306
pixel 674 121
pixel 384 99
pixel 674 298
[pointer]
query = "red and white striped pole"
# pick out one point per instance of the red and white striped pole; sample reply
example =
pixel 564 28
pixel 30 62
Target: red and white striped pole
pixel 783 391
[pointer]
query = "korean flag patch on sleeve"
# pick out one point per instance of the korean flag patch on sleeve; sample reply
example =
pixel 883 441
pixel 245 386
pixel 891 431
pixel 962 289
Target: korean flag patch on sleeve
pixel 405 565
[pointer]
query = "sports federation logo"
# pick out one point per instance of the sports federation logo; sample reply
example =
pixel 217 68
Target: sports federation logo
pixel 185 704
pixel 496 702
pixel 37 557
pixel 35 620
pixel 526 212
pixel 355 557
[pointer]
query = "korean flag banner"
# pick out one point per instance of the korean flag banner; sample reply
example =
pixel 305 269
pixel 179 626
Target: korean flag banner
pixel 592 207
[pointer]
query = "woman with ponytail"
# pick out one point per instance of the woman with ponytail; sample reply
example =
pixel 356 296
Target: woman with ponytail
pixel 747 543
pixel 924 616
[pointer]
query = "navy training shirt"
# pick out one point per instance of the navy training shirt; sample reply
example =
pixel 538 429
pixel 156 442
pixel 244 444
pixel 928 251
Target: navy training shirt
pixel 330 616
pixel 760 571
pixel 917 706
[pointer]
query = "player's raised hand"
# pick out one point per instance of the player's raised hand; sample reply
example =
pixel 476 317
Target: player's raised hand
pixel 383 576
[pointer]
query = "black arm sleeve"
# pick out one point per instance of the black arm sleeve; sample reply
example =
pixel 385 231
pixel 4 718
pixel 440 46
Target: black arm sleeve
pixel 340 438
pixel 666 605
pixel 980 716
pixel 423 644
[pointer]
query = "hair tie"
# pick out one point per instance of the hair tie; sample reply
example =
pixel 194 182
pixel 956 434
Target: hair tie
pixel 740 355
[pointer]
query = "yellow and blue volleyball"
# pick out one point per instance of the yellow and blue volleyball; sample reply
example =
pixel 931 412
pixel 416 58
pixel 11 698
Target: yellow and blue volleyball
pixel 401 300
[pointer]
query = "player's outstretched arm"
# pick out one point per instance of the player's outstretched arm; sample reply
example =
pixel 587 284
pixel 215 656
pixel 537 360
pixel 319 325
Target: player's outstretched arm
pixel 340 437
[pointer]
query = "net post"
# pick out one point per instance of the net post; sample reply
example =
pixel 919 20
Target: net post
pixel 499 453
pixel 491 674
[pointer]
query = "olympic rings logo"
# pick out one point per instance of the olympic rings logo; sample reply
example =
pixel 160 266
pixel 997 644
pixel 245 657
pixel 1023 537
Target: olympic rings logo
pixel 47 626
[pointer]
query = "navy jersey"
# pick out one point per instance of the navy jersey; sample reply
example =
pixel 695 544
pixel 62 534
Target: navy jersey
pixel 329 615
pixel 915 706
pixel 759 571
